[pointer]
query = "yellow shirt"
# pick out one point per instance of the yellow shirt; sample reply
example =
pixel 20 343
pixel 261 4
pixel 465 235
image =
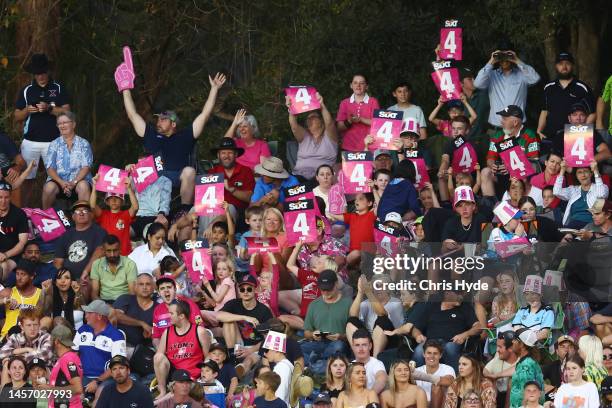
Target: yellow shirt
pixel 23 303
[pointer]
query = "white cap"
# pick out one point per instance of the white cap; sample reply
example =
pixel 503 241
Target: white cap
pixel 393 217
pixel 463 193
pixel 276 341
pixel 533 283
pixel 506 212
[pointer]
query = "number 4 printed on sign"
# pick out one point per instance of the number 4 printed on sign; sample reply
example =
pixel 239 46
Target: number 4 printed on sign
pixel 578 149
pixel 301 225
pixel 385 132
pixel 50 225
pixel 209 199
pixel 112 177
pixel 450 44
pixel 303 96
pixel 142 173
pixel 358 174
pixel 466 159
pixel 446 84
pixel 516 163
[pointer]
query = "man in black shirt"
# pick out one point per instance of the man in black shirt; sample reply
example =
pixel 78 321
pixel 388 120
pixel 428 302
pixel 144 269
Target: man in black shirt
pixel 125 392
pixel 451 322
pixel 241 316
pixel 80 246
pixel 560 95
pixel 553 372
pixel 37 106
pixel 13 231
pixel 173 145
pixel 135 312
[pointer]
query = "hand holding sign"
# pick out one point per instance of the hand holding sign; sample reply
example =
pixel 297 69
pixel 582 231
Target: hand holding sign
pixel 209 195
pixel 300 221
pixel 446 79
pixel 145 172
pixel 357 169
pixel 111 179
pixel 124 74
pixel 578 145
pixel 198 261
pixel 385 128
pixel 514 159
pixel 302 99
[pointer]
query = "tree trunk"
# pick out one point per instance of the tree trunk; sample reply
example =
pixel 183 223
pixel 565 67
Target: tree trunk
pixel 587 50
pixel 548 31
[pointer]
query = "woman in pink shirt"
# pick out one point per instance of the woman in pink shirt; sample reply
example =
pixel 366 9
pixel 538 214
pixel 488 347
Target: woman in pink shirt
pixel 355 115
pixel 245 131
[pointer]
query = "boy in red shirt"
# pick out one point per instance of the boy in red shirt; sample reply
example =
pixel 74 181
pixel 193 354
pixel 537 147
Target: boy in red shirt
pixel 361 226
pixel 115 220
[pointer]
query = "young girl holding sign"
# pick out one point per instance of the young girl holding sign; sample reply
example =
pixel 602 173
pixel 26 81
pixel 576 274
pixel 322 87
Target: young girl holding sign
pixel 224 291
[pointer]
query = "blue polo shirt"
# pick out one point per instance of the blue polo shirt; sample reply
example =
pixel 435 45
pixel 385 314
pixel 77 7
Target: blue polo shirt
pixel 175 150
pixel 542 319
pixel 96 351
pixel 261 188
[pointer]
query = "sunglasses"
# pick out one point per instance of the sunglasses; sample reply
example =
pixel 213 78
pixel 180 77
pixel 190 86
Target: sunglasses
pixel 245 289
pixel 607 356
pixel 82 211
pixel 472 401
pixel 5 187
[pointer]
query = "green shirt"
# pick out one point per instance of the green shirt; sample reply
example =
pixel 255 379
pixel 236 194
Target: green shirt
pixel 526 370
pixel 113 285
pixel 327 317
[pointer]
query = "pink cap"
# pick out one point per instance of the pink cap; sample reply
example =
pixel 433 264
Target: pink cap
pixel 109 195
pixel 463 193
pixel 533 283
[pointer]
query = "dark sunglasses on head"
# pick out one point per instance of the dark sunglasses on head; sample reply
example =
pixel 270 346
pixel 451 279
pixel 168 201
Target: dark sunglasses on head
pixel 607 356
pixel 5 187
pixel 244 289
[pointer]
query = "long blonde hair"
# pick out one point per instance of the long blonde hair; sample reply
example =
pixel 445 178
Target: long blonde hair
pixel 392 385
pixel 349 373
pixel 276 212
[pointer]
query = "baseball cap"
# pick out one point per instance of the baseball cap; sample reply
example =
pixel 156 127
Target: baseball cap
pixel 601 205
pixel 606 385
pixel 63 334
pixel 409 133
pixel 463 193
pixel 210 364
pixel 168 114
pixel 248 279
pixel 97 306
pixel 527 336
pixel 109 195
pixel 218 346
pixel 37 362
pixel 181 375
pixel 454 103
pixel 381 152
pixel 565 337
pixel 165 278
pixel 80 203
pixel 564 56
pixel 118 359
pixel 511 110
pixel 322 398
pixel 466 72
pixel 579 106
pixel 327 279
pixel 393 217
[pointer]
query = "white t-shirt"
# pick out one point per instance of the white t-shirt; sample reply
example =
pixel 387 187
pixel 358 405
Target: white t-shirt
pixel 146 262
pixel 443 370
pixel 577 396
pixel 373 367
pixel 413 111
pixel 284 369
pixel 394 308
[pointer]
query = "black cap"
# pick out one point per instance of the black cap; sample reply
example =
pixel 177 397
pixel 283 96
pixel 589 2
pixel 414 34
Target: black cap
pixel 564 56
pixel 165 278
pixel 218 346
pixel 322 398
pixel 537 384
pixel 228 143
pixel 579 106
pixel 181 375
pixel 39 64
pixel 466 72
pixel 409 133
pixel 511 110
pixel 327 279
pixel 210 364
pixel 37 362
pixel 118 359
pixel 606 385
pixel 248 279
pixel 27 266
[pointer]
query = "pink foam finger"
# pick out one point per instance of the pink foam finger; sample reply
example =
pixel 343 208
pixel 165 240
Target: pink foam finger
pixel 127 57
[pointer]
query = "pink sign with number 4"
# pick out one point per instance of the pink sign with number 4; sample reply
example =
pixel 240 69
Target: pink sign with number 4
pixel 578 145
pixel 49 223
pixel 198 261
pixel 303 99
pixel 446 79
pixel 145 172
pixel 111 179
pixel 300 221
pixel 357 168
pixel 209 195
pixel 451 42
pixel 422 176
pixel 385 128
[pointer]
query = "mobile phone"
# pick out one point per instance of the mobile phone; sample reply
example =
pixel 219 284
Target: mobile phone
pixel 324 334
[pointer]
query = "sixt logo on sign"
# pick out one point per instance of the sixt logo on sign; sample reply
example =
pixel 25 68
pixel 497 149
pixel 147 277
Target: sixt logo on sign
pixel 356 156
pixel 459 141
pixel 506 145
pixel 209 179
pixel 159 165
pixel 387 114
pixel 293 191
pixel 298 205
pixel 451 23
pixel 442 65
pixel 189 245
pixel 385 228
pixel 579 128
